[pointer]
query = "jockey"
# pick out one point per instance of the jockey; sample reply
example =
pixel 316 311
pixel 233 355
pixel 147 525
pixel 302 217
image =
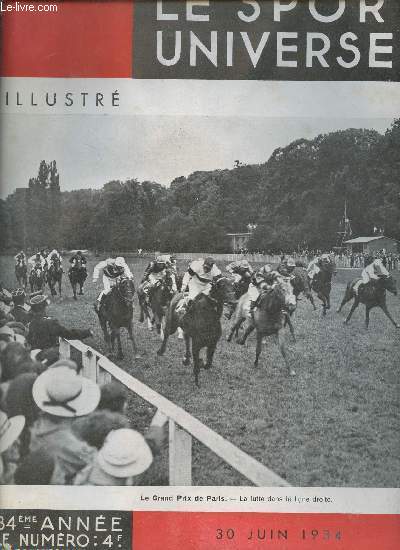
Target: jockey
pixel 265 278
pixel 111 269
pixel 286 267
pixel 54 254
pixel 317 263
pixel 37 260
pixel 156 271
pixel 198 279
pixel 78 259
pixel 241 270
pixel 20 258
pixel 374 271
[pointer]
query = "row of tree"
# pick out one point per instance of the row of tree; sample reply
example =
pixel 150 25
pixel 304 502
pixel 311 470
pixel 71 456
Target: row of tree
pixel 296 199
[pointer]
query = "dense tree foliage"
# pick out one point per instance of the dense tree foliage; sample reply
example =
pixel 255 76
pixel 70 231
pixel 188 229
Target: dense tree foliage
pixel 296 199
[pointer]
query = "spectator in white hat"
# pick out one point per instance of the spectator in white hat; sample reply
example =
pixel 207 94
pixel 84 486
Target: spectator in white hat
pixel 124 456
pixel 63 395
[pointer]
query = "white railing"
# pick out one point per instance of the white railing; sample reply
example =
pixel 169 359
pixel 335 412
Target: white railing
pixel 182 425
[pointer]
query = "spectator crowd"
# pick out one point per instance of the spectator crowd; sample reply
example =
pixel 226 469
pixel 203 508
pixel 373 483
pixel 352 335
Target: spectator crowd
pixel 56 426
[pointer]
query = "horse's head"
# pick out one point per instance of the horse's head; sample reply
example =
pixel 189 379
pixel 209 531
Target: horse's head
pixel 286 286
pixel 389 283
pixel 222 290
pixel 126 289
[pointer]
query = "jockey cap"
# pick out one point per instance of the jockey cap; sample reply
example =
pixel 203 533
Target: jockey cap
pixel 120 261
pixel 209 261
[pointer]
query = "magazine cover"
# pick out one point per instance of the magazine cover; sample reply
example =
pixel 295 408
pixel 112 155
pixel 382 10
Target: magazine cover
pixel 199 274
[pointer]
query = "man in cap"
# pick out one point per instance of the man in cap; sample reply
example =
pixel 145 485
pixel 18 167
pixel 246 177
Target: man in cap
pixel 373 271
pixel 21 311
pixel 286 267
pixel 44 332
pixel 157 271
pixel 111 269
pixel 198 279
pixel 62 395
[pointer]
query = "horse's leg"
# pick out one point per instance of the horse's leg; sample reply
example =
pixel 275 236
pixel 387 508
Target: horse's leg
pixel 386 312
pixel 59 286
pixel 120 354
pixel 323 300
pixel 346 298
pixel 247 332
pixel 74 290
pixel 281 343
pixel 210 355
pixel 353 307
pixel 288 321
pixel 196 363
pixel 258 347
pixel 234 329
pixel 310 297
pixel 188 353
pixel 133 341
pixel 367 310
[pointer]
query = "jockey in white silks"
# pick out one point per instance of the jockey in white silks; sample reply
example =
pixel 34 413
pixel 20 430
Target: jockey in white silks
pixel 198 279
pixel 264 278
pixel 111 270
pixel 373 271
pixel 20 258
pixel 53 254
pixel 37 260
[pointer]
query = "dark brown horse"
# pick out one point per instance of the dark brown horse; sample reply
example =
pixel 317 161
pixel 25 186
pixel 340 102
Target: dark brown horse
pixel 322 284
pixel 201 324
pixel 116 312
pixel 54 276
pixel 372 294
pixel 21 273
pixel 301 284
pixel 36 278
pixel 269 319
pixel 77 275
pixel 154 305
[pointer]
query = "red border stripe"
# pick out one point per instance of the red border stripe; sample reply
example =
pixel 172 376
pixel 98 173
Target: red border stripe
pixel 83 39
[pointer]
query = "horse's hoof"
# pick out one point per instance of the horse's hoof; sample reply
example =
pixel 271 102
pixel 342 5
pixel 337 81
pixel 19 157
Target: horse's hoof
pixel 75 298
pixel 345 322
pixel 186 362
pixel 292 373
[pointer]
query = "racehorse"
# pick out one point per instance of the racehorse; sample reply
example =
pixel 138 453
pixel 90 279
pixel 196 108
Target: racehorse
pixel 54 276
pixel 36 278
pixel 242 311
pixel 322 284
pixel 154 306
pixel 77 275
pixel 372 294
pixel 269 319
pixel 201 324
pixel 115 312
pixel 21 274
pixel 301 284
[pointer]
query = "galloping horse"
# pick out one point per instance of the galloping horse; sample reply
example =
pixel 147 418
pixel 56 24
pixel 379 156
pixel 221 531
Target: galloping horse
pixel 322 285
pixel 242 311
pixel 36 278
pixel 21 274
pixel 269 319
pixel 54 276
pixel 115 312
pixel 77 275
pixel 154 306
pixel 301 284
pixel 372 294
pixel 201 324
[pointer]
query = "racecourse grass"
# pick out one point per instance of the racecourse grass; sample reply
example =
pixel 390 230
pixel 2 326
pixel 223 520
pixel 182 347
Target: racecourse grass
pixel 335 424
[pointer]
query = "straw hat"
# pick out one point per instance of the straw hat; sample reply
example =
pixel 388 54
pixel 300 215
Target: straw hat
pixel 10 430
pixel 7 331
pixel 125 453
pixel 64 363
pixel 62 392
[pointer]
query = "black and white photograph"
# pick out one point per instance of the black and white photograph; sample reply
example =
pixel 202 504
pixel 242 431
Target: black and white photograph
pixel 206 299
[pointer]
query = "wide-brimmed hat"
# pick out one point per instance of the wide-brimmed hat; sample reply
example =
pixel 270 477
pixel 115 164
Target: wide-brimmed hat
pixel 125 453
pixel 7 331
pixel 10 430
pixel 62 392
pixel 64 363
pixel 38 301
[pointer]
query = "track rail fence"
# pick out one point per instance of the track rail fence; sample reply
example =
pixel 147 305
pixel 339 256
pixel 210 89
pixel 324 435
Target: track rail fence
pixel 183 427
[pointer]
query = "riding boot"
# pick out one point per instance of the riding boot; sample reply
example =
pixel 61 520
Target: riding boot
pixel 253 305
